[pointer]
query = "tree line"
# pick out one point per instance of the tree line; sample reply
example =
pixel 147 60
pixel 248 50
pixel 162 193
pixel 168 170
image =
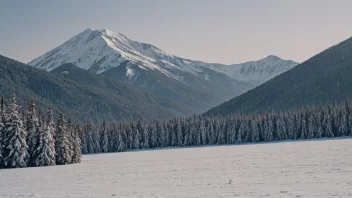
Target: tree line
pixel 300 124
pixel 26 141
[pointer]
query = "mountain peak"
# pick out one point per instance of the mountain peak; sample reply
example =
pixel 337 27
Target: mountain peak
pixel 88 30
pixel 273 57
pixel 102 50
pixel 106 31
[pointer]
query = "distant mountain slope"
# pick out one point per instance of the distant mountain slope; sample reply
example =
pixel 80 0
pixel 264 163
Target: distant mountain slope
pixel 101 82
pixel 255 72
pixel 323 79
pixel 89 100
pixel 148 67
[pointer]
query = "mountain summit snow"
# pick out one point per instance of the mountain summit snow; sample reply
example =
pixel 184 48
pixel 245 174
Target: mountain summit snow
pixel 115 56
pixel 101 50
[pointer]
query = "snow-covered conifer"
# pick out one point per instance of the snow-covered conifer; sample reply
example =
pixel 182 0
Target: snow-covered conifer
pixel 2 124
pixel 77 151
pixel 136 144
pixel 104 138
pixel 203 132
pixel 178 131
pixel 303 130
pixel 32 126
pixel 44 154
pixel 254 131
pixel 89 138
pixel 15 152
pixel 146 138
pixel 310 126
pixel 62 143
pixel 153 136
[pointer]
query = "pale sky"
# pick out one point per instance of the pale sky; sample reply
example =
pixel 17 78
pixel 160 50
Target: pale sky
pixel 221 31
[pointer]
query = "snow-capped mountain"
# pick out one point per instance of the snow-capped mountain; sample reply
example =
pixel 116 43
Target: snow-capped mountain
pixel 256 72
pixel 114 55
pixel 102 50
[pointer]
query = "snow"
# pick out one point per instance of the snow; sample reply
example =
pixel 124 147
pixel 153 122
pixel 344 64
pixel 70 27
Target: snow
pixel 256 72
pixel 288 169
pixel 130 73
pixel 105 49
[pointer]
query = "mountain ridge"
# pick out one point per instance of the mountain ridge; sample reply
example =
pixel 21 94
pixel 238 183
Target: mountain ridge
pixel 322 79
pixel 153 70
pixel 122 48
pixel 83 101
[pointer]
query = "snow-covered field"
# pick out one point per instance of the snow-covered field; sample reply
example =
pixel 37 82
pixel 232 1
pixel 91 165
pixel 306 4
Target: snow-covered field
pixel 288 169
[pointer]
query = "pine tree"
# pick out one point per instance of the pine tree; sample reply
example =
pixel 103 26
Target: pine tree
pixel 32 126
pixel 122 146
pixel 96 141
pixel 71 135
pixel 328 125
pixel 310 126
pixel 289 126
pixel 268 128
pixel 152 133
pixel 203 132
pixel 2 125
pixel 178 131
pixel 187 137
pixel 211 134
pixel 303 129
pixel 279 128
pixel 173 134
pixel 254 131
pixel 77 151
pixel 319 130
pixel 15 146
pixel 164 135
pixel 89 136
pixel 221 132
pixel 84 140
pixel 159 133
pixel 105 139
pixel 342 123
pixel 145 138
pixel 349 120
pixel 44 154
pixel 233 132
pixel 198 138
pixel 62 143
pixel 136 144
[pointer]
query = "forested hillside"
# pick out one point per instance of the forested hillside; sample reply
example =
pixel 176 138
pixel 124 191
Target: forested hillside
pixel 100 82
pixel 82 101
pixel 323 79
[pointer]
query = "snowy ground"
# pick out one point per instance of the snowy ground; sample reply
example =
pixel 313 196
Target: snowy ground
pixel 300 169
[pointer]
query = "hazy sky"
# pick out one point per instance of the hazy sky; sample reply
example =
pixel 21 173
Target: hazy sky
pixel 222 31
